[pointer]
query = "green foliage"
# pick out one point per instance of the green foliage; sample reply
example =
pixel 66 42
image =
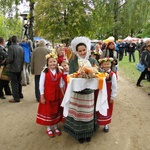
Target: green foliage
pixel 63 19
pixel 2 29
pixel 9 26
pixel 137 16
pixel 128 71
pixel 145 32
pixel 9 6
pixel 120 18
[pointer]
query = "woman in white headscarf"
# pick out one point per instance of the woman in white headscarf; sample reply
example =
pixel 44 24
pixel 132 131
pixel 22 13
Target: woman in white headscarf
pixel 81 122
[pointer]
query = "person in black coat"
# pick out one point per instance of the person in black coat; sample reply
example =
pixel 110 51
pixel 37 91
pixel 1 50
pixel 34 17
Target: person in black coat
pixel 15 61
pixel 145 59
pixel 131 50
pixel 4 84
pixel 121 46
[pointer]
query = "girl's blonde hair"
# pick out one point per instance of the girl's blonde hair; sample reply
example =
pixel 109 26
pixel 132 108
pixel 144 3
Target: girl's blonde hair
pixel 58 48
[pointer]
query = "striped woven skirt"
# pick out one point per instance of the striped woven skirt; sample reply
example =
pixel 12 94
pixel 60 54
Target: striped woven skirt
pixel 81 120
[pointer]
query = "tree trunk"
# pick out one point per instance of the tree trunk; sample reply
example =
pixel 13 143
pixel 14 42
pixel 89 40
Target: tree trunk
pixel 31 32
pixel 115 11
pixel 115 26
pixel 132 33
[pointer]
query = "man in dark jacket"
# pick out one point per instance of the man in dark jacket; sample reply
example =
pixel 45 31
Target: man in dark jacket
pixel 121 46
pixel 4 84
pixel 147 59
pixel 15 60
pixel 131 50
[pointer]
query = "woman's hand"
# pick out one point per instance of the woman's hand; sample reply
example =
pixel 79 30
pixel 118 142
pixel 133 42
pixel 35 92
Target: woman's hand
pixel 4 61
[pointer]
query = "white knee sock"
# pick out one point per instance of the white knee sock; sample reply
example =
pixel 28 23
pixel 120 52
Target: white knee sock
pixel 48 128
pixel 106 126
pixel 55 126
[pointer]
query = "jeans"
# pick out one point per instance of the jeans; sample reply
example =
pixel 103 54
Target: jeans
pixel 25 74
pixel 37 91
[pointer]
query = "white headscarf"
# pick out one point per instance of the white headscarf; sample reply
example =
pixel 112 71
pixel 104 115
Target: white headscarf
pixel 84 40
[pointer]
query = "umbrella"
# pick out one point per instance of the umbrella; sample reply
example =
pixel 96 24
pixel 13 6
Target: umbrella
pixel 94 41
pixel 128 38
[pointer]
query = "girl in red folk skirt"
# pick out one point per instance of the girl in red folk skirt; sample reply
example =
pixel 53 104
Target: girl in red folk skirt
pixel 65 67
pixel 61 53
pixel 111 84
pixel 51 85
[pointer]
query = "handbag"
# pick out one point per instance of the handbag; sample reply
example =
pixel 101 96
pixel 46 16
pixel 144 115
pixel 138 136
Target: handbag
pixel 140 67
pixel 4 75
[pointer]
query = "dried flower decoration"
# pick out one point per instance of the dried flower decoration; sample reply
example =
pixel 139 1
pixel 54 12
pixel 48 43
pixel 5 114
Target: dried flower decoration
pixel 50 55
pixel 96 53
pixel 106 59
pixel 85 72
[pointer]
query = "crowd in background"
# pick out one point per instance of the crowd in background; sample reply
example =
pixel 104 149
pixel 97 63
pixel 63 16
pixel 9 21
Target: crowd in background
pixel 51 66
pixel 117 49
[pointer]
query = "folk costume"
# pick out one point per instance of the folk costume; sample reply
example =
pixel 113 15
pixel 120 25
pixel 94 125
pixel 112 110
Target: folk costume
pixel 111 85
pixel 50 85
pixel 49 113
pixel 61 57
pixel 111 92
pixel 65 74
pixel 81 121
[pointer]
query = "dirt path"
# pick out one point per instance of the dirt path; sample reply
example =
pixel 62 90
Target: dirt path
pixel 129 129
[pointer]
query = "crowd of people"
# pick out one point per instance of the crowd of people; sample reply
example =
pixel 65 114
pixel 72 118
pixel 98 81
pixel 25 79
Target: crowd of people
pixel 51 68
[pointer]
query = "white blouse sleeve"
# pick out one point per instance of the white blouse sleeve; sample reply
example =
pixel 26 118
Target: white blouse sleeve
pixel 114 86
pixel 41 83
pixel 62 83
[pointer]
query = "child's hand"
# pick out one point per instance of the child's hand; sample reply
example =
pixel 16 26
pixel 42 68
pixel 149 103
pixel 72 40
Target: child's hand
pixel 43 101
pixel 111 100
pixel 114 62
pixel 107 76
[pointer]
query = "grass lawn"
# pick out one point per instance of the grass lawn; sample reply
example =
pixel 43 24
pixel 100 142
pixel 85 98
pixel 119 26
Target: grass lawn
pixel 128 71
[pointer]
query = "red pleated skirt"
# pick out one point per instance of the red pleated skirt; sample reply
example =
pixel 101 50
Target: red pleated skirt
pixel 104 120
pixel 49 114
